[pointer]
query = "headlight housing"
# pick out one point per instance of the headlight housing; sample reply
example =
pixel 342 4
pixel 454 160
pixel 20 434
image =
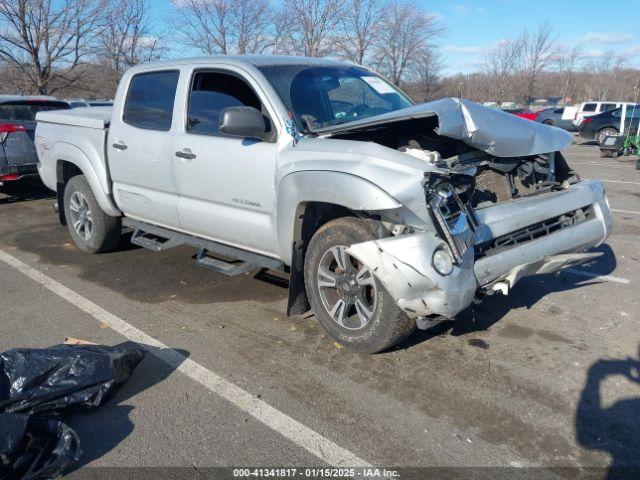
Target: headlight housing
pixel 442 261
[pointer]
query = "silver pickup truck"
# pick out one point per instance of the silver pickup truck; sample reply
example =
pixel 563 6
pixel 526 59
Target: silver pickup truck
pixel 387 215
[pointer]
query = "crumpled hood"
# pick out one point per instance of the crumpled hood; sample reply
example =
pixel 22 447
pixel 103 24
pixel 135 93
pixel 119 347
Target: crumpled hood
pixel 496 132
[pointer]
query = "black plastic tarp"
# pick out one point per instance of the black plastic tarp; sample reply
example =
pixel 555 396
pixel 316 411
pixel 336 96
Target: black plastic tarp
pixel 38 387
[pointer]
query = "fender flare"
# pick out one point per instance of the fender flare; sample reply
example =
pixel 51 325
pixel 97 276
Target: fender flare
pixel 67 152
pixel 338 188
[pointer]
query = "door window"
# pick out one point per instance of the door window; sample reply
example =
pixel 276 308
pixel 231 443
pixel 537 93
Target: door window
pixel 149 102
pixel 608 106
pixel 633 111
pixel 211 93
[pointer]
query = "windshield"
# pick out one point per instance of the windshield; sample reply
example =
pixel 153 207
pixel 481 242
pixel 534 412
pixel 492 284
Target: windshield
pixel 321 97
pixel 26 110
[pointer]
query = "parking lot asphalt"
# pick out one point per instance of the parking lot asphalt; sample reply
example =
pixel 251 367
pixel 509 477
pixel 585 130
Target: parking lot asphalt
pixel 541 377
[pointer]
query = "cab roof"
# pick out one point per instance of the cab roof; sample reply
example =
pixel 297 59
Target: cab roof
pixel 244 60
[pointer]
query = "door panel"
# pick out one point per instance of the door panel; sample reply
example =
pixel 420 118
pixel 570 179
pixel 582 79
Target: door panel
pixel 226 191
pixel 227 187
pixel 140 150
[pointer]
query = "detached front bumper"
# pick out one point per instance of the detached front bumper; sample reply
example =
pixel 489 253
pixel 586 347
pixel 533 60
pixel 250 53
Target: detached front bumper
pixel 531 237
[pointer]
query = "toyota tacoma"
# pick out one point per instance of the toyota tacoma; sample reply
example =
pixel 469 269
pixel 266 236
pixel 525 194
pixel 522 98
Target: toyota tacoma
pixel 386 215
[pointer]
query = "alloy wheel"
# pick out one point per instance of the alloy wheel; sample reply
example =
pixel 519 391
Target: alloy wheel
pixel 80 213
pixel 347 288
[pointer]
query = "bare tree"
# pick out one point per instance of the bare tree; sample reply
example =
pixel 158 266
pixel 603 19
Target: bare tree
pixel 499 66
pixel 308 27
pixel 46 40
pixel 251 24
pixel 603 76
pixel 127 38
pixel 223 26
pixel 405 33
pixel 566 61
pixel 359 30
pixel 429 71
pixel 537 54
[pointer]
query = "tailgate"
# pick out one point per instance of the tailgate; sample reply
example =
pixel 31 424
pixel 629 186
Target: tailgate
pixel 16 145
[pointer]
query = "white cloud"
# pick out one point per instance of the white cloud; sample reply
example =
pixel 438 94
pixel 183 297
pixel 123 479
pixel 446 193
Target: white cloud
pixel 462 9
pixel 593 53
pixel 469 49
pixel 610 38
pixel 632 52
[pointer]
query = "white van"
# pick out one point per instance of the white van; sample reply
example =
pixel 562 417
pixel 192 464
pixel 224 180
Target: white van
pixel 587 109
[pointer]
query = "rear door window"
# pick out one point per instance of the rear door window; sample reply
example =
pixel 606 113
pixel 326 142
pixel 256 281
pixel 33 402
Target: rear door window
pixel 605 107
pixel 150 99
pixel 589 107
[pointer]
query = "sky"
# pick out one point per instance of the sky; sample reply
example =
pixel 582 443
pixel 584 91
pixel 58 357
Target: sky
pixel 474 27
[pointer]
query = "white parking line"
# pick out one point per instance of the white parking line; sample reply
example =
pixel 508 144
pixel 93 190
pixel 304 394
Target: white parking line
pixel 612 165
pixel 632 212
pixel 286 426
pixel 608 278
pixel 619 181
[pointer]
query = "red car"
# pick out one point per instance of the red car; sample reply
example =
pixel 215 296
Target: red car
pixel 526 114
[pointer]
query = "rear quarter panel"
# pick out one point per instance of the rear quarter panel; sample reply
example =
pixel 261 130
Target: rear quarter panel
pixel 85 148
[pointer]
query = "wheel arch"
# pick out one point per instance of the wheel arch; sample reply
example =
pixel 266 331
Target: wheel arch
pixel 305 203
pixel 71 161
pixel 606 127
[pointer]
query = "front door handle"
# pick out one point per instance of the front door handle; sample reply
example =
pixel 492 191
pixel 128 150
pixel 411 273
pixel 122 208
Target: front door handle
pixel 119 145
pixel 186 154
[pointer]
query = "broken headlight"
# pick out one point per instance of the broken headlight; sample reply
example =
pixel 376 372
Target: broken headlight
pixel 456 220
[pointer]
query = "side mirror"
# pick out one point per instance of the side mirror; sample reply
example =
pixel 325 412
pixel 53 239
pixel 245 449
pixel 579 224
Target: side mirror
pixel 243 122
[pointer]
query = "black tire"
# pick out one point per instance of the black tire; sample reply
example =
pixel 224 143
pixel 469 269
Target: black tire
pixel 603 133
pixel 104 232
pixel 387 325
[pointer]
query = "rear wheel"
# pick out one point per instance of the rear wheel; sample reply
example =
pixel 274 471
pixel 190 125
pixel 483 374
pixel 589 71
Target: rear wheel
pixel 349 302
pixel 92 230
pixel 605 132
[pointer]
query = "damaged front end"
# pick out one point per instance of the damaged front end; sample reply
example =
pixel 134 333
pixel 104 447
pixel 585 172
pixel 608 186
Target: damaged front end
pixel 494 219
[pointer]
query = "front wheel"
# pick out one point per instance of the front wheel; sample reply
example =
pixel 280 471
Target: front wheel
pixel 350 303
pixel 92 230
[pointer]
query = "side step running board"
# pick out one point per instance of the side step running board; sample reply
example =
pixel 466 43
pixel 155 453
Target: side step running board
pixel 159 239
pixel 152 242
pixel 228 268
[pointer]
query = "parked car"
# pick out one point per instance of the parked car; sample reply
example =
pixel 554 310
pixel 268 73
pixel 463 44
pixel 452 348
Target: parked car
pixel 100 103
pixel 80 102
pixel 598 127
pixel 387 215
pixel 77 102
pixel 520 112
pixel 554 116
pixel 528 114
pixel 588 109
pixel 18 157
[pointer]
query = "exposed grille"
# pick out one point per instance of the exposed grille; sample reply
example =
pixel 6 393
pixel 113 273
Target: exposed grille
pixel 491 187
pixel 532 232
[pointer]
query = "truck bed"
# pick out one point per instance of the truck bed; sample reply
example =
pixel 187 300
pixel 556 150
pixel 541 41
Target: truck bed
pixel 78 135
pixel 89 117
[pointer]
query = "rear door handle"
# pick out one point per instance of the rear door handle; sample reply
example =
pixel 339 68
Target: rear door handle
pixel 186 154
pixel 119 145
